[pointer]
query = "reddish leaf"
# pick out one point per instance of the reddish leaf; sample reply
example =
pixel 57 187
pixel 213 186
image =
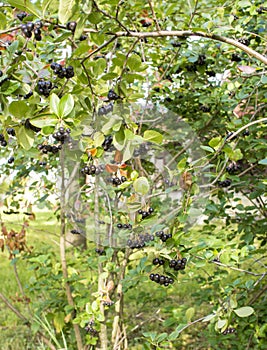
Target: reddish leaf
pixel 118 156
pixel 111 168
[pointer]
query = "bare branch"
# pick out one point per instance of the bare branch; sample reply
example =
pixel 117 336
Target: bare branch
pixel 154 15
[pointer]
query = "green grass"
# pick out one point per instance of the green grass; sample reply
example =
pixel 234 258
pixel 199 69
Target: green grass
pixel 41 233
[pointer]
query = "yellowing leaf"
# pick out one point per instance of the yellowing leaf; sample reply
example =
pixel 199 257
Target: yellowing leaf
pixel 141 185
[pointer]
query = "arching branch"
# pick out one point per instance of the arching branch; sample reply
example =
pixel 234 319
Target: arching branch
pixel 188 33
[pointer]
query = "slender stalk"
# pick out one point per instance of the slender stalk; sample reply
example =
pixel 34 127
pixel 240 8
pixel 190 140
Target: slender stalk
pixel 13 309
pixel 101 283
pixel 63 247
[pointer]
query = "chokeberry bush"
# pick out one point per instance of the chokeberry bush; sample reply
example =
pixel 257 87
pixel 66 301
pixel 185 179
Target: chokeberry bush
pixel 139 128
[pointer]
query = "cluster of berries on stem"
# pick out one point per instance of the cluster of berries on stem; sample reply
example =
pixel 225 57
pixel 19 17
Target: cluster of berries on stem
pixel 163 236
pixel 62 72
pixel 145 213
pixel 161 279
pixel 140 241
pixel 178 264
pixel 35 28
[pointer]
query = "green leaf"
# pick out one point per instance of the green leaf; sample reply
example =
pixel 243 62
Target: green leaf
pixel 161 337
pixel 65 10
pixel 221 323
pixel 59 321
pixel 25 137
pixel 134 62
pixel 45 121
pixel 153 136
pixel 99 138
pixel 244 311
pixel 18 109
pixel 26 6
pixel 141 185
pixel 189 314
pixel 128 152
pixel 54 104
pixel 215 141
pixel 263 161
pixel 66 105
pixel 208 318
pixel 207 148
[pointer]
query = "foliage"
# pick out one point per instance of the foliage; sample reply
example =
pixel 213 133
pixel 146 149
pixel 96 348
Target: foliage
pixel 125 119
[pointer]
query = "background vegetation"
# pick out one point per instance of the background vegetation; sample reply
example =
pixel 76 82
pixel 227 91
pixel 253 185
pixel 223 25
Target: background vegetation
pixel 148 114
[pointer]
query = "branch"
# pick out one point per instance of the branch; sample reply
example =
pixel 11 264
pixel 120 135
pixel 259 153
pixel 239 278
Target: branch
pixel 13 309
pixel 188 33
pixel 154 15
pixel 99 48
pixel 63 248
pixel 237 269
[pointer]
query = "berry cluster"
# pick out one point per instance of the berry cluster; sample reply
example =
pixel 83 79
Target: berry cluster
pixel 116 181
pixel 62 134
pixel 49 148
pixel 11 131
pixel 124 226
pixel 44 87
pixel 91 170
pixel 140 241
pixel 62 72
pixel 244 41
pixel 161 279
pixel 163 236
pixel 100 251
pixel 145 213
pixel 229 331
pixel 105 109
pixel 112 96
pixel 246 133
pixel 107 143
pixel 224 183
pixel 3 141
pixel 233 168
pixel 89 328
pixel 30 27
pixel 158 261
pixel 178 264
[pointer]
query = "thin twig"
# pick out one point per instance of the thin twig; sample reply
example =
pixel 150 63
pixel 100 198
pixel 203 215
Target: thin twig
pixel 154 15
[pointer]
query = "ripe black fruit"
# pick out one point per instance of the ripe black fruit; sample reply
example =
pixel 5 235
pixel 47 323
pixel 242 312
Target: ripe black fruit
pixel 11 131
pixel 11 160
pixel 225 183
pixel 44 87
pixel 28 95
pixel 112 95
pixel 235 58
pixel 71 26
pixel 30 26
pixel 1 73
pixel 22 15
pixel 83 37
